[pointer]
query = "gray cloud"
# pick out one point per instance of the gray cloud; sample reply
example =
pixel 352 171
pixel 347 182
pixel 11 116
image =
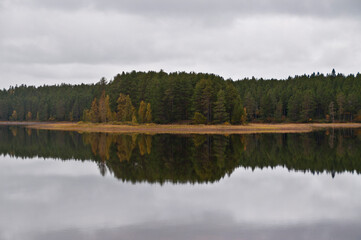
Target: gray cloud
pixel 329 8
pixel 81 41
pixel 212 231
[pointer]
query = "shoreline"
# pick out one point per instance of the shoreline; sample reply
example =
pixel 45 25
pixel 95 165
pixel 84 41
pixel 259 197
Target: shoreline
pixel 184 129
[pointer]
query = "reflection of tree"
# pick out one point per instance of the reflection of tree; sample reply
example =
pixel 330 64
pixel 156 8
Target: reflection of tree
pixel 202 161
pixel 14 131
pixel 197 158
pixel 148 142
pixel 238 145
pixel 331 137
pixel 199 139
pixel 142 145
pixel 28 131
pixel 340 146
pixel 125 146
pixel 220 145
pixel 102 168
pixel 105 141
pixel 100 144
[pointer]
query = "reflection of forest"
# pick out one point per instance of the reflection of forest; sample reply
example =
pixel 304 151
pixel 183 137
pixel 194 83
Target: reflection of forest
pixel 193 158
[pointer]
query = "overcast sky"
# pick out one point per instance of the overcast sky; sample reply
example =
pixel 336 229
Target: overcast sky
pixel 56 41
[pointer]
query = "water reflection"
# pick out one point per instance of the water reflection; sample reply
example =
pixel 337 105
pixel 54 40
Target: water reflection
pixel 68 200
pixel 261 200
pixel 190 158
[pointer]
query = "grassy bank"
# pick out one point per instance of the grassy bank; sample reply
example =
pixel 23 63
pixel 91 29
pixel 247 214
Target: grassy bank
pixel 192 129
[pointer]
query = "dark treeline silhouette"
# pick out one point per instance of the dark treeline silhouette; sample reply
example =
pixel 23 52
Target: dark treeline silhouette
pixel 185 97
pixel 191 158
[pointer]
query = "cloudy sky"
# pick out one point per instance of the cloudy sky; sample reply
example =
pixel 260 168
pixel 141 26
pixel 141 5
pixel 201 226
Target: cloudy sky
pixel 56 41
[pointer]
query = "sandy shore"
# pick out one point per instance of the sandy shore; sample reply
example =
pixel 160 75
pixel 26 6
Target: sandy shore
pixel 192 129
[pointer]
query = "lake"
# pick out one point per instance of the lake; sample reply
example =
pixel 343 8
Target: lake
pixel 67 185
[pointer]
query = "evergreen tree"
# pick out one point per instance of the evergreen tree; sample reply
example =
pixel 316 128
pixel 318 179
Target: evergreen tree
pixel 76 110
pixel 341 104
pixel 203 98
pixel 231 97
pixel 125 108
pixel 251 105
pixel 94 112
pixel 239 115
pixel 279 110
pixel 29 116
pixel 134 118
pixel 220 113
pixel 148 115
pixel 199 118
pixel 102 107
pixel 110 115
pixel 331 111
pixel 308 106
pixel 14 116
pixel 267 107
pixel 333 73
pixel 60 110
pixel 294 107
pixel 142 112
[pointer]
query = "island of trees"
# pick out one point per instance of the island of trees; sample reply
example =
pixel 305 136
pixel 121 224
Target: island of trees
pixel 180 97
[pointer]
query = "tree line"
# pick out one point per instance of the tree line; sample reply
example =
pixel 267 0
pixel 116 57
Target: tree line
pixel 182 97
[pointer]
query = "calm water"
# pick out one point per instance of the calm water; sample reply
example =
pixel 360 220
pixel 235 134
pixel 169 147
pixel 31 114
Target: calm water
pixel 61 185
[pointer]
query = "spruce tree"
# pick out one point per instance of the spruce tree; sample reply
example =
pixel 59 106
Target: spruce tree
pixel 102 108
pixel 220 113
pixel 141 112
pixel 94 111
pixel 125 108
pixel 148 115
pixel 237 113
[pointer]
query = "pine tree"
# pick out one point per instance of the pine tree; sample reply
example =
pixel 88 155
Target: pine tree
pixel 142 112
pixel 341 104
pixel 267 107
pixel 308 106
pixel 220 113
pixel 331 111
pixel 237 113
pixel 124 108
pixel 14 116
pixel 86 116
pixel 148 115
pixel 199 118
pixel 203 98
pixel 109 114
pixel 60 110
pixel 76 110
pixel 102 108
pixel 29 116
pixel 293 107
pixel 231 97
pixel 279 110
pixel 94 111
pixel 251 105
pixel 333 73
pixel 244 116
pixel 134 118
pixel 71 118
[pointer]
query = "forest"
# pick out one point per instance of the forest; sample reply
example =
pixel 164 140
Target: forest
pixel 189 98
